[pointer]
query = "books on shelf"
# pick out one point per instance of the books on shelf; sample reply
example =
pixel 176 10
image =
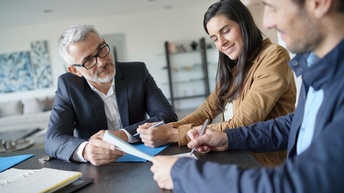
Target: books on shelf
pixel 37 180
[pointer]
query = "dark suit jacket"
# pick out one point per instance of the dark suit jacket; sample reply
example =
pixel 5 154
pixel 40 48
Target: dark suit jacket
pixel 78 112
pixel 319 168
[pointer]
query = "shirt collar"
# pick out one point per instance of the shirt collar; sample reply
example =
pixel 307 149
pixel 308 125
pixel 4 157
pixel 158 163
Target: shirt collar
pixel 323 71
pixel 110 92
pixel 311 59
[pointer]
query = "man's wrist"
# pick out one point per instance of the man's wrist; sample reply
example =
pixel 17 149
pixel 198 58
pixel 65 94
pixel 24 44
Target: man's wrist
pixel 130 138
pixel 84 154
pixel 79 153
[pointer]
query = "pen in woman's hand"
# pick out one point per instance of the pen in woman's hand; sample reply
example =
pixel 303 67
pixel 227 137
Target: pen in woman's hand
pixel 204 126
pixel 154 125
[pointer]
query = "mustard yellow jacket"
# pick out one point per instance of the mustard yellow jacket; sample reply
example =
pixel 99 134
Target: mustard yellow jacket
pixel 269 91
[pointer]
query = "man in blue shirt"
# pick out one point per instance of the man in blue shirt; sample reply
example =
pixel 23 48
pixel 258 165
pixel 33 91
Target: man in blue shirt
pixel 313 134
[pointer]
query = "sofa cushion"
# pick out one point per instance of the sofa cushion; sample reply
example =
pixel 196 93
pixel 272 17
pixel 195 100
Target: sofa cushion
pixel 25 121
pixel 32 106
pixel 47 103
pixel 10 108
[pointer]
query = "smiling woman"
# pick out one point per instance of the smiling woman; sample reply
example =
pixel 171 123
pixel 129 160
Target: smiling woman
pixel 253 82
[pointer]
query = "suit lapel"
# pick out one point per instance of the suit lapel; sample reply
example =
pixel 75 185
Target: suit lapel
pixel 121 88
pixel 97 104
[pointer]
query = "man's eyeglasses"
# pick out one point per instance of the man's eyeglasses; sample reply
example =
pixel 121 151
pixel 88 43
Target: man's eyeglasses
pixel 92 61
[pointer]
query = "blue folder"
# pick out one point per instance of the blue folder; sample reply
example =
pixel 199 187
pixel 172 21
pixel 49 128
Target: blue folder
pixel 9 161
pixel 148 150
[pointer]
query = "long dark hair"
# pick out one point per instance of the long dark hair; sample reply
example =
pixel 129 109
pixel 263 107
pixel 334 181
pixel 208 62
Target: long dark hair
pixel 228 86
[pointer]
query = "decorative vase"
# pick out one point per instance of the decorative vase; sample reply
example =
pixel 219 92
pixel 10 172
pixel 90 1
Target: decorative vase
pixel 193 45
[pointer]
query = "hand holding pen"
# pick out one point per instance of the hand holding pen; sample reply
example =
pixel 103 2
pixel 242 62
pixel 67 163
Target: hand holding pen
pixel 154 125
pixel 213 141
pixel 156 135
pixel 204 127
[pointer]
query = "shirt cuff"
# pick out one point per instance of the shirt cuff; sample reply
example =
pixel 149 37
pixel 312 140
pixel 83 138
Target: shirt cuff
pixel 77 155
pixel 131 139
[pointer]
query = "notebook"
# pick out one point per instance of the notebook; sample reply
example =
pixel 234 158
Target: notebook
pixel 40 180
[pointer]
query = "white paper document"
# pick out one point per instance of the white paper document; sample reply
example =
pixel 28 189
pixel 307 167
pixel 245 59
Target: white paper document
pixel 188 154
pixel 125 147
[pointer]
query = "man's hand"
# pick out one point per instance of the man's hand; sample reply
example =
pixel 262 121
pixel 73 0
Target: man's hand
pixel 210 140
pixel 161 169
pixel 100 152
pixel 157 136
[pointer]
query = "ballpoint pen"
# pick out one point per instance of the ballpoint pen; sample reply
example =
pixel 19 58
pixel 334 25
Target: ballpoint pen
pixel 155 125
pixel 204 127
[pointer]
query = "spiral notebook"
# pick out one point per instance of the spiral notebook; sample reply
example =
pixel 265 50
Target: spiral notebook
pixel 40 180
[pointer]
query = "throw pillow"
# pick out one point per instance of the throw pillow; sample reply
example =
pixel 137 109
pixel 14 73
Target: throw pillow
pixel 10 108
pixel 47 103
pixel 32 106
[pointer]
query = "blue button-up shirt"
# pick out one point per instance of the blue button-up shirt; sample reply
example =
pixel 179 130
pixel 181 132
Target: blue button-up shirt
pixel 313 103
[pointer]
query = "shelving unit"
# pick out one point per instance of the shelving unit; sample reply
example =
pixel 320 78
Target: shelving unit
pixel 187 71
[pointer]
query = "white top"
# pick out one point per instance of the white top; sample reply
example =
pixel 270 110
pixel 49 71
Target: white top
pixel 228 113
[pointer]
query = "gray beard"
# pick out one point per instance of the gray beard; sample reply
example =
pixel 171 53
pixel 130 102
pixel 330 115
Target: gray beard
pixel 106 79
pixel 95 78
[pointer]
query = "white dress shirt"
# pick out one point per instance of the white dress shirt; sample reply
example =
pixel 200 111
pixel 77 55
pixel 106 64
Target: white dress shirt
pixel 112 116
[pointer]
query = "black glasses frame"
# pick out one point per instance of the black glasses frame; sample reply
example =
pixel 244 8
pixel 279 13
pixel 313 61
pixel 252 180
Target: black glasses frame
pixel 95 56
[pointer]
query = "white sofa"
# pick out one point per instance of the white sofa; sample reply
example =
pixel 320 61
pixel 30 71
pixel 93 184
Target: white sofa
pixel 25 113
